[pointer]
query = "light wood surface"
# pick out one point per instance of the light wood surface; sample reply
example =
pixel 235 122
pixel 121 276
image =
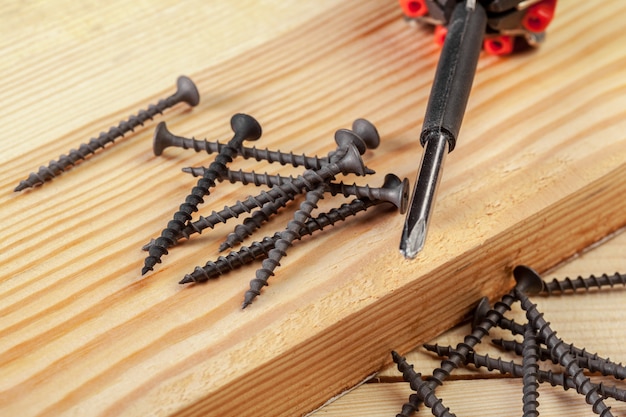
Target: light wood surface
pixel 537 176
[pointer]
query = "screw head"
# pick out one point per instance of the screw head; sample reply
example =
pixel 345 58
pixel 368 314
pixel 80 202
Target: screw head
pixel 528 280
pixel 345 137
pixel 480 312
pixel 245 126
pixel 187 90
pixel 398 191
pixel 367 132
pixel 351 162
pixel 161 139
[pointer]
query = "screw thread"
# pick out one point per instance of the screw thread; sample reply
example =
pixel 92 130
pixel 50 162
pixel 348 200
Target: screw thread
pixel 280 249
pixel 612 391
pixel 530 372
pixel 568 284
pixel 422 388
pixel 490 319
pixel 561 351
pixel 459 355
pixel 393 191
pixel 240 207
pixel 257 179
pixel 175 226
pixel 359 191
pixel 517 370
pixel 230 262
pixel 590 361
pixel 247 254
pixel 408 408
pixel 245 127
pixel 199 145
pixel 65 161
pixel 308 180
pixel 282 158
pixel 604 367
pixel 253 223
pixel 517 347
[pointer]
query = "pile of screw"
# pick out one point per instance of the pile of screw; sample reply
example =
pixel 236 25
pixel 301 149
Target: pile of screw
pixel 315 181
pixel 540 343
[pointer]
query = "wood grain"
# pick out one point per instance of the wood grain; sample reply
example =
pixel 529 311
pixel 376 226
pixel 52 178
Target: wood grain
pixel 537 176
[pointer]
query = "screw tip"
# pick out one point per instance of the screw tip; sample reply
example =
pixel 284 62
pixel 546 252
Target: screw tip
pixel 21 186
pixel 187 280
pixel 145 270
pixel 248 298
pixel 147 246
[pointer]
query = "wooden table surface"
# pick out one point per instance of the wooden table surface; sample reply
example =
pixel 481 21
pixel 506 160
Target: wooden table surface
pixel 538 176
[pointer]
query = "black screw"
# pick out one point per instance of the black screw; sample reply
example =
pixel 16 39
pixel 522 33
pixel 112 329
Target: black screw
pixel 348 143
pixel 516 370
pixel 480 329
pixel 280 247
pixel 569 284
pixel 309 179
pixel 592 362
pixel 393 190
pixel 349 161
pixel 529 278
pixel 424 391
pixel 163 139
pixel 256 250
pixel 186 92
pixel 252 223
pixel 530 370
pixel 245 128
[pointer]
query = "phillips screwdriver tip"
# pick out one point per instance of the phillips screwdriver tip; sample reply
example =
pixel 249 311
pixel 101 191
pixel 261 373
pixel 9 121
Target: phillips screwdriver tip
pixel 413 239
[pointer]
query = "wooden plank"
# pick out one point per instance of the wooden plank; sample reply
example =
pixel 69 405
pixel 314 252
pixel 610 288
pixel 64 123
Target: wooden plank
pixel 531 181
pixel 590 320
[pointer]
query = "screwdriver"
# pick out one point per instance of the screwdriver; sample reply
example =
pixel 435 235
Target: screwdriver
pixel 444 114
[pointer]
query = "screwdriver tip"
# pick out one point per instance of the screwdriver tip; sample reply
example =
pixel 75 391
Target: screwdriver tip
pixel 413 239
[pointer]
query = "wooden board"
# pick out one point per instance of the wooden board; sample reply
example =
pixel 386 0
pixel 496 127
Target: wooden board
pixel 538 175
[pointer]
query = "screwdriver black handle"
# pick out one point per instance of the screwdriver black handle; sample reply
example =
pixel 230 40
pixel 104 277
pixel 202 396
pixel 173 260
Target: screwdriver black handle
pixel 455 73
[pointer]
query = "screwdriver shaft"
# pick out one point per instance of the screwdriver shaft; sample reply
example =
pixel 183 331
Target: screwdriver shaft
pixel 444 114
